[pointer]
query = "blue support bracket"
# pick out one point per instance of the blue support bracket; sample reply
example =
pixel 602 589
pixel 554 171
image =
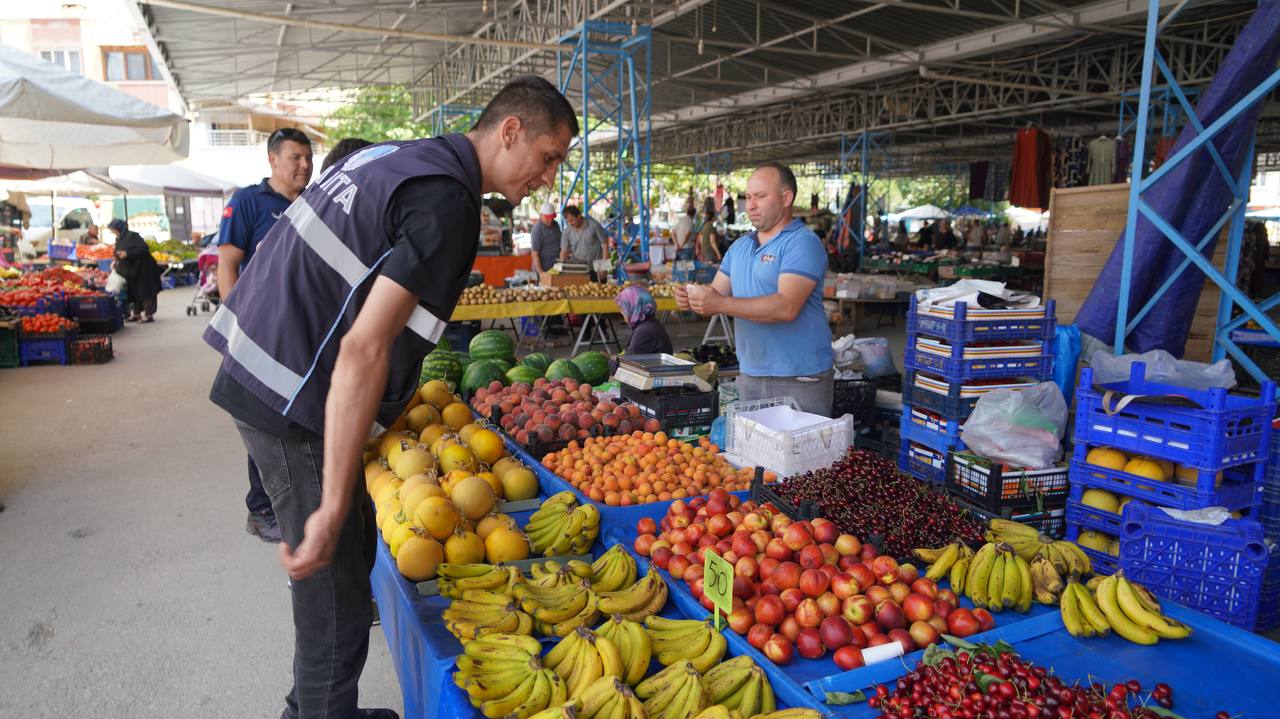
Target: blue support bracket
pixel 858 155
pixel 608 66
pixel 448 118
pixel 1234 308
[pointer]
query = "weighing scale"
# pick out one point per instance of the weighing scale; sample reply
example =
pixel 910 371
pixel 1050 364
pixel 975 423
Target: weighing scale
pixel 660 371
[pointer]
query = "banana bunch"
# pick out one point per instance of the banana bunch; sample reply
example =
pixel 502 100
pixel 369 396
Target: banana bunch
pixel 481 612
pixel 562 526
pixel 677 641
pixel 740 685
pixel 999 577
pixel 951 560
pixel 1119 605
pixel 502 676
pixel 633 644
pixel 1023 539
pixel 1046 580
pixel 582 657
pixel 606 698
pixel 559 609
pixel 613 571
pixel 638 601
pixel 674 693
pixel 455 579
pixel 553 574
pixel 1067 558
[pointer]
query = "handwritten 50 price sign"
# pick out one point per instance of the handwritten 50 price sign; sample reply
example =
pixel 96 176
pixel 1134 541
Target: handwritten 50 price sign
pixel 717 583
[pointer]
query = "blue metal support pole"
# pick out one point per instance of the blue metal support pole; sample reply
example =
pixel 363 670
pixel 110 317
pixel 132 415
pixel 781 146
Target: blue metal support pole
pixel 1235 238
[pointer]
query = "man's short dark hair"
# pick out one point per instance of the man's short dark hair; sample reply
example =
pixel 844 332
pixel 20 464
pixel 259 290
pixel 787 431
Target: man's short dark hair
pixel 786 175
pixel 345 146
pixel 286 134
pixel 537 103
pixel 572 211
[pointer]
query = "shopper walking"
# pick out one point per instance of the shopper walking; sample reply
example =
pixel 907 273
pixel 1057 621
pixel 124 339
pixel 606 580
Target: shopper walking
pixel 771 284
pixel 708 247
pixel 682 234
pixel 139 269
pixel 325 332
pixel 251 212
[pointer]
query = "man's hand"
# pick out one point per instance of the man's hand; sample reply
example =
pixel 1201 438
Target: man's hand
pixel 315 552
pixel 682 298
pixel 704 299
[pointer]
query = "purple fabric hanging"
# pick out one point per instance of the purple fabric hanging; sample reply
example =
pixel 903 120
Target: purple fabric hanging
pixel 1191 198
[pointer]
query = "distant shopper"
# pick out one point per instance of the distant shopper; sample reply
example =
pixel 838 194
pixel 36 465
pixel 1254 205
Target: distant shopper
pixel 682 234
pixel 345 146
pixel 944 237
pixel 926 235
pixel 708 249
pixel 544 239
pixel 771 284
pixel 640 312
pixel 246 219
pixel 139 269
pixel 90 237
pixel 582 239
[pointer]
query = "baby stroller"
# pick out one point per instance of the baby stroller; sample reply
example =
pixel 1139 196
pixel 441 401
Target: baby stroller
pixel 206 295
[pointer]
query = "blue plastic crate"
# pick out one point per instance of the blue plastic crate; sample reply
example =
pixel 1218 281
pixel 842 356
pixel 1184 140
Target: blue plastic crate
pixel 951 406
pixel 958 369
pixel 1225 571
pixel 923 463
pixel 1102 563
pixel 1223 430
pixel 960 328
pixel 1091 517
pixel 914 429
pixel 105 265
pixel 92 308
pixel 52 305
pixel 45 348
pixel 1241 487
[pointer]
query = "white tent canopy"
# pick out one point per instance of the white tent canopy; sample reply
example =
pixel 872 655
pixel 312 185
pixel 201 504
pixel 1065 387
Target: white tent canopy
pixel 169 180
pixel 79 182
pixel 53 119
pixel 1027 219
pixel 924 212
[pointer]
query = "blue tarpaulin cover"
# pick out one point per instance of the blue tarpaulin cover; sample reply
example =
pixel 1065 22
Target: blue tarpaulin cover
pixel 1191 197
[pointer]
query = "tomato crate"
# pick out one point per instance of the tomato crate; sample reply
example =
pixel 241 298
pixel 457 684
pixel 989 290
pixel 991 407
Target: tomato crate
pixel 961 326
pixel 957 368
pixel 924 463
pixel 994 486
pixel 939 435
pixel 1208 430
pixel 1241 487
pixel 52 305
pixel 9 355
pixel 1091 517
pixel 1049 521
pixel 1102 563
pixel 1226 571
pixel 45 348
pixel 92 349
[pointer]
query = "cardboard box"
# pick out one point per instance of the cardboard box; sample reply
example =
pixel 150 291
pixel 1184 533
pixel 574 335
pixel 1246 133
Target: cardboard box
pixel 546 279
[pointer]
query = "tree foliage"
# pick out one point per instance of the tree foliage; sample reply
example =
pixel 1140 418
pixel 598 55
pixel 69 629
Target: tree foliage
pixel 377 113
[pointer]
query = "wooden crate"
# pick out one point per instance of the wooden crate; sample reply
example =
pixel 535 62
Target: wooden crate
pixel 546 279
pixel 1085 223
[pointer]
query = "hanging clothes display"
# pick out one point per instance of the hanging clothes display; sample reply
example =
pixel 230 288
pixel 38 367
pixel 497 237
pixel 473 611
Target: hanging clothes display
pixel 1070 162
pixel 978 179
pixel 1032 169
pixel 1102 161
pixel 1163 147
pixel 996 190
pixel 1124 158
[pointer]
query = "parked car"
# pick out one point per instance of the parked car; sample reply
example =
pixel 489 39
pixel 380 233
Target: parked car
pixel 71 216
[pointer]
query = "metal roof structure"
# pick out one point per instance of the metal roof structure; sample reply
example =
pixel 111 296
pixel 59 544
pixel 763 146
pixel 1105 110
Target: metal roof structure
pixel 762 79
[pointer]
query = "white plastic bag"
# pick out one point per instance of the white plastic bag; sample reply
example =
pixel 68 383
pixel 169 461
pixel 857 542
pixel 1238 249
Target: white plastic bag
pixel 1163 368
pixel 1022 428
pixel 877 359
pixel 115 283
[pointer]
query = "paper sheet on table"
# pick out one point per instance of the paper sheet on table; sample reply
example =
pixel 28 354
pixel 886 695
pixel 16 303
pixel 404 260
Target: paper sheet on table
pixel 1209 515
pixel 967 291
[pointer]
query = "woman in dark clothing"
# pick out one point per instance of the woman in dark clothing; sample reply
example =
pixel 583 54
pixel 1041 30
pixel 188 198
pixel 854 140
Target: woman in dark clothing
pixel 639 310
pixel 139 269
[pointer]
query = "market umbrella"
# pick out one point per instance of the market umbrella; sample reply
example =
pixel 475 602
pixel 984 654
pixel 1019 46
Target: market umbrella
pixel 171 179
pixel 970 211
pixel 52 119
pixel 924 212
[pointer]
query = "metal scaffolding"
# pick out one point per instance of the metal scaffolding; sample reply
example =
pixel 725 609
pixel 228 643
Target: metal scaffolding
pixel 608 65
pixel 859 155
pixel 1225 339
pixel 445 118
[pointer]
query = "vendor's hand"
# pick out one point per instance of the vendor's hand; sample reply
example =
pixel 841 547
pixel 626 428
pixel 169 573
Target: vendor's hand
pixel 704 299
pixel 319 540
pixel 682 298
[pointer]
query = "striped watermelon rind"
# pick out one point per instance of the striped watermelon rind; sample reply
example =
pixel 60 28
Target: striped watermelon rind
pixel 523 373
pixel 479 374
pixel 492 344
pixel 594 366
pixel 538 361
pixel 564 369
pixel 442 364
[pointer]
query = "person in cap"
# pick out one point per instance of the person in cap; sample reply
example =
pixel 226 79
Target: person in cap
pixel 323 339
pixel 544 239
pixel 139 269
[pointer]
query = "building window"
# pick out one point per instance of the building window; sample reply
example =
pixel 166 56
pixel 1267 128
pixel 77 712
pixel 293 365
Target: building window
pixel 66 59
pixel 129 63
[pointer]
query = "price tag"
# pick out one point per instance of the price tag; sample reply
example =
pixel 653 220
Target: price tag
pixel 717 583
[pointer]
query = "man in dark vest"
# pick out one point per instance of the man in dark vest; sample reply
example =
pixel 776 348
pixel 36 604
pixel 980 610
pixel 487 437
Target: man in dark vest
pixel 322 340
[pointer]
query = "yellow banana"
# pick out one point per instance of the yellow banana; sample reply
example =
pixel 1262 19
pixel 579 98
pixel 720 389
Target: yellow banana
pixel 528 645
pixel 501 706
pixel 595 695
pixel 927 555
pixel 539 698
pixel 1069 606
pixel 641 652
pixel 1011 588
pixel 995 585
pixel 980 570
pixel 653 685
pixel 714 653
pixel 959 569
pixel 610 656
pixel 1119 621
pixel 939 568
pixel 1128 600
pixel 1026 586
pixel 1089 610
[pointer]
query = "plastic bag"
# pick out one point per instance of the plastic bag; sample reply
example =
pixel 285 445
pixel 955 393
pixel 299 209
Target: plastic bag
pixel 1066 355
pixel 876 357
pixel 1163 368
pixel 1022 428
pixel 116 283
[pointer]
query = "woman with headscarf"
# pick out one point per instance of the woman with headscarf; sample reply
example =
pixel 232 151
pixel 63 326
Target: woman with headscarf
pixel 139 269
pixel 639 310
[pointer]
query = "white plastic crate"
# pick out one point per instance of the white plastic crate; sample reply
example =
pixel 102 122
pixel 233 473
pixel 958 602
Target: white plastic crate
pixel 775 434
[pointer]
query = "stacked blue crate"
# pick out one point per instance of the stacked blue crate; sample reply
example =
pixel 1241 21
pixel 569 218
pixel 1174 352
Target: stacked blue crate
pixel 931 417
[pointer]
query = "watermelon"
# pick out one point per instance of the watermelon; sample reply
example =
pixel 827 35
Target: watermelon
pixel 503 364
pixel 443 344
pixel 442 364
pixel 492 344
pixel 594 366
pixel 564 369
pixel 539 361
pixel 464 359
pixel 522 373
pixel 479 374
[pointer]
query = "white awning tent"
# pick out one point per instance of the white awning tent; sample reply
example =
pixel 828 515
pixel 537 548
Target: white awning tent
pixel 170 179
pixel 924 212
pixel 51 119
pixel 80 182
pixel 1028 219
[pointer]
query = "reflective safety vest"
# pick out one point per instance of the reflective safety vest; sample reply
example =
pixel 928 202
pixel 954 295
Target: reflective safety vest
pixel 279 330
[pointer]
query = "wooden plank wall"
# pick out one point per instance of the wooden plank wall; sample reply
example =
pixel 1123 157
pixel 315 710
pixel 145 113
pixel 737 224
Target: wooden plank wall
pixel 1084 225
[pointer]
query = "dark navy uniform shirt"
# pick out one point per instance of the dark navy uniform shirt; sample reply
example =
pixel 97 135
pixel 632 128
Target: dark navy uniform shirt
pixel 247 217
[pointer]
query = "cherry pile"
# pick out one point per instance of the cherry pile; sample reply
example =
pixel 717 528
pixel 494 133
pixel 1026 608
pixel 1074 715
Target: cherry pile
pixel 988 681
pixel 866 495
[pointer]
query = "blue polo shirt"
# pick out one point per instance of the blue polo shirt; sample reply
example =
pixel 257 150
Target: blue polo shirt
pixel 247 217
pixel 801 347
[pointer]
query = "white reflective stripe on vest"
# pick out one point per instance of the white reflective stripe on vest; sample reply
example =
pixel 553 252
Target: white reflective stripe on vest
pixel 280 379
pixel 317 235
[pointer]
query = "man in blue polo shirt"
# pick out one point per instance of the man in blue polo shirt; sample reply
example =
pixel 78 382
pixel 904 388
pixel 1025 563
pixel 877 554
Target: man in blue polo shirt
pixel 770 282
pixel 251 212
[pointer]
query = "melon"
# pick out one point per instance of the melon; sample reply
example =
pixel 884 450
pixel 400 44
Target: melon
pixel 594 366
pixel 523 373
pixel 564 369
pixel 537 361
pixel 441 365
pixel 503 364
pixel 479 374
pixel 492 344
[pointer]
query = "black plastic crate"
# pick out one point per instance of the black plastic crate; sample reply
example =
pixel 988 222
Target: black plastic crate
pixel 675 407
pixel 92 349
pixel 856 397
pixel 762 493
pixel 996 487
pixel 9 355
pixel 1049 521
